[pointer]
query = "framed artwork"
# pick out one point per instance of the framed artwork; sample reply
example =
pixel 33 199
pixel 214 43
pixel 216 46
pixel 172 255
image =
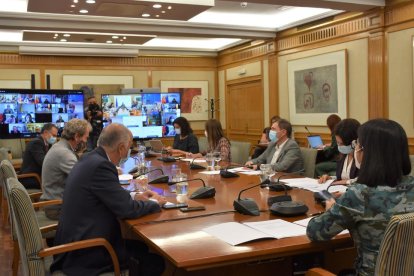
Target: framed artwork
pixel 194 97
pixel 317 88
pixel 98 85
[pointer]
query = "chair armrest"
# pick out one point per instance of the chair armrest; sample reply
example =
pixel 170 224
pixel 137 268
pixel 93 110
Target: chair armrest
pixel 80 245
pixel 46 203
pixel 35 195
pixel 48 228
pixel 30 175
pixel 317 271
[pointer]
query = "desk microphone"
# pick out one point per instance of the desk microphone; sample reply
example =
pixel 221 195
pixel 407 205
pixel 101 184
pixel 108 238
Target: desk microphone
pixel 247 206
pixel 308 131
pixel 203 192
pixel 160 179
pixel 225 173
pixel 194 166
pixel 283 205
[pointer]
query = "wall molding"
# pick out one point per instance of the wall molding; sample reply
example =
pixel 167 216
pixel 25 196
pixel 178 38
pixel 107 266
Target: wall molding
pixel 145 61
pixel 248 53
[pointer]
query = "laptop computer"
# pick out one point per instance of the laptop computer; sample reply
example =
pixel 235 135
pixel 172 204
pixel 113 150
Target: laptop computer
pixel 156 145
pixel 315 141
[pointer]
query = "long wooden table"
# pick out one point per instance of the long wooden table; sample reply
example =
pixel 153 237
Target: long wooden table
pixel 179 237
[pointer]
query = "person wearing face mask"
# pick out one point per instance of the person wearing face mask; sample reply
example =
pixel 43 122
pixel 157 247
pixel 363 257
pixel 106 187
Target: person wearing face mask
pixel 346 172
pixel 60 160
pixel 185 142
pixel 383 189
pixel 264 140
pixel 283 153
pixel 93 204
pixel 35 153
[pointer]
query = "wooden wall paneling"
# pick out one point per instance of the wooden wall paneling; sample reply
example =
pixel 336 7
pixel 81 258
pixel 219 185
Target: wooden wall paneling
pixel 149 79
pixel 232 57
pixel 216 97
pixel 42 79
pixel 377 75
pixel 273 86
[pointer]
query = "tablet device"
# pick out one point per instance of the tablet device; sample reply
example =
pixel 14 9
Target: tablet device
pixel 156 145
pixel 315 141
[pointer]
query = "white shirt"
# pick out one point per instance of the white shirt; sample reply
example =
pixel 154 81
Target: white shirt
pixel 346 169
pixel 277 152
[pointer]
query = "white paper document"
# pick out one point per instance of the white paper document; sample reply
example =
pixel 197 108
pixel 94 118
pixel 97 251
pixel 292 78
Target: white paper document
pixel 236 233
pixel 312 184
pixel 210 172
pixel 194 160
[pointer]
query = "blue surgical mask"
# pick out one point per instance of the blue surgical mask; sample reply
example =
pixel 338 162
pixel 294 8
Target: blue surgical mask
pixel 177 131
pixel 273 136
pixel 123 160
pixel 51 140
pixel 345 149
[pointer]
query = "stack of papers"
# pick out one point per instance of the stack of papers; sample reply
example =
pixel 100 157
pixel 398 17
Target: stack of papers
pixel 236 233
pixel 312 185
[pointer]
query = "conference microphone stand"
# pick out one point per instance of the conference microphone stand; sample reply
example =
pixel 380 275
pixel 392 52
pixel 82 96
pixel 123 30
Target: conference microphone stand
pixel 161 179
pixel 203 192
pixel 247 206
pixel 225 173
pixel 194 166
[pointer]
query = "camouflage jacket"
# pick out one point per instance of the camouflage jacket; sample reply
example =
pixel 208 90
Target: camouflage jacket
pixel 365 212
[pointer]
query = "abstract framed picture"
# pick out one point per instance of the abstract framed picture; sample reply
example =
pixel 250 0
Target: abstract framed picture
pixel 98 85
pixel 194 97
pixel 317 88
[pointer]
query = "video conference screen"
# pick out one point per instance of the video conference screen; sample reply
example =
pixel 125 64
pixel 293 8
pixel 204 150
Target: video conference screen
pixel 23 112
pixel 147 115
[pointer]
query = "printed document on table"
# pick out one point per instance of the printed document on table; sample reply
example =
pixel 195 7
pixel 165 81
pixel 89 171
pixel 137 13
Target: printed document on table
pixel 236 233
pixel 304 223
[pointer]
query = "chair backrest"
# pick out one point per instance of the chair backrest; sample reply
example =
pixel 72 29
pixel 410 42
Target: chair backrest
pixel 27 229
pixel 397 247
pixel 412 165
pixel 202 144
pixel 7 171
pixel 309 159
pixel 4 154
pixel 240 151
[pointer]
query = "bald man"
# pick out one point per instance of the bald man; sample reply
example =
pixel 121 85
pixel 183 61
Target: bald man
pixel 94 201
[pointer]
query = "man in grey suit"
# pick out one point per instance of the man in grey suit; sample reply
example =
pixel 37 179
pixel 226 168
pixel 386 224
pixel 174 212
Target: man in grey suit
pixel 60 160
pixel 282 152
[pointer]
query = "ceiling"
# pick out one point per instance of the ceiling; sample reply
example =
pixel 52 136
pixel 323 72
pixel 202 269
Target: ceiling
pixel 200 27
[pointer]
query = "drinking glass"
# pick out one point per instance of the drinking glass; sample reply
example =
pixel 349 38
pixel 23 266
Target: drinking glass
pixel 181 188
pixel 217 159
pixel 266 170
pixel 141 183
pixel 210 161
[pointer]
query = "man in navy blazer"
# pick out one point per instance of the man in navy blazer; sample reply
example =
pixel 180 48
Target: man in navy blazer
pixel 93 201
pixel 35 154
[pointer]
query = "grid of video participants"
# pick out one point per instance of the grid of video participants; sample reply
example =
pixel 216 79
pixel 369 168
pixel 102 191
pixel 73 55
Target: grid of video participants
pixel 147 115
pixel 27 113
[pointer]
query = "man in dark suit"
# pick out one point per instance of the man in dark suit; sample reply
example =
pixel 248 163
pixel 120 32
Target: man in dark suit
pixel 93 201
pixel 35 154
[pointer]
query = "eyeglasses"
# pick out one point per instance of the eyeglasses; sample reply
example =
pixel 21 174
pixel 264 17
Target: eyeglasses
pixel 356 144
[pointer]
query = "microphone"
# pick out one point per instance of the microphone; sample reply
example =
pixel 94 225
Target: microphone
pixel 194 166
pixel 247 206
pixel 160 179
pixel 227 174
pixel 283 205
pixel 308 130
pixel 281 186
pixel 203 192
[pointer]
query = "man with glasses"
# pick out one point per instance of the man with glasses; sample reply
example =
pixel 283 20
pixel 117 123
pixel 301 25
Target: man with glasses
pixel 283 153
pixel 35 154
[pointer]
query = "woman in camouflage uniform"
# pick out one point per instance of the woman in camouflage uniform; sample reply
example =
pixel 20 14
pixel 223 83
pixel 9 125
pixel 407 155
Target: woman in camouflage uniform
pixel 382 190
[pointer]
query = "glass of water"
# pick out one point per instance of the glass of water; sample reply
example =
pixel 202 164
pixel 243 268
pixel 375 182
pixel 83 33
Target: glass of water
pixel 217 159
pixel 181 188
pixel 266 170
pixel 210 161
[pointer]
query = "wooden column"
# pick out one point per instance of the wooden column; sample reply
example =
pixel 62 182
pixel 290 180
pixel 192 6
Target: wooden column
pixel 273 86
pixel 377 76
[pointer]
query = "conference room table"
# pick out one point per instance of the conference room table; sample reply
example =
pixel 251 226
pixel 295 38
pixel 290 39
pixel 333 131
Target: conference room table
pixel 180 239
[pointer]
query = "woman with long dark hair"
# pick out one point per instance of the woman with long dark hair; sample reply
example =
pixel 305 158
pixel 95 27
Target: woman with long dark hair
pixel 185 142
pixel 383 189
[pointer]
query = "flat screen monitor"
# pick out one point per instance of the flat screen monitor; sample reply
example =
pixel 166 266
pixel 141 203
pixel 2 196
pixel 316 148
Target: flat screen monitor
pixel 23 112
pixel 147 115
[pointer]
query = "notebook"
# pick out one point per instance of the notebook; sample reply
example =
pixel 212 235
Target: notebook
pixel 315 141
pixel 156 145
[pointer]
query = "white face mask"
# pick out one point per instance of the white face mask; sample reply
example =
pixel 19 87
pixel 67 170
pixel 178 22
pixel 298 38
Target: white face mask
pixel 178 131
pixel 205 133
